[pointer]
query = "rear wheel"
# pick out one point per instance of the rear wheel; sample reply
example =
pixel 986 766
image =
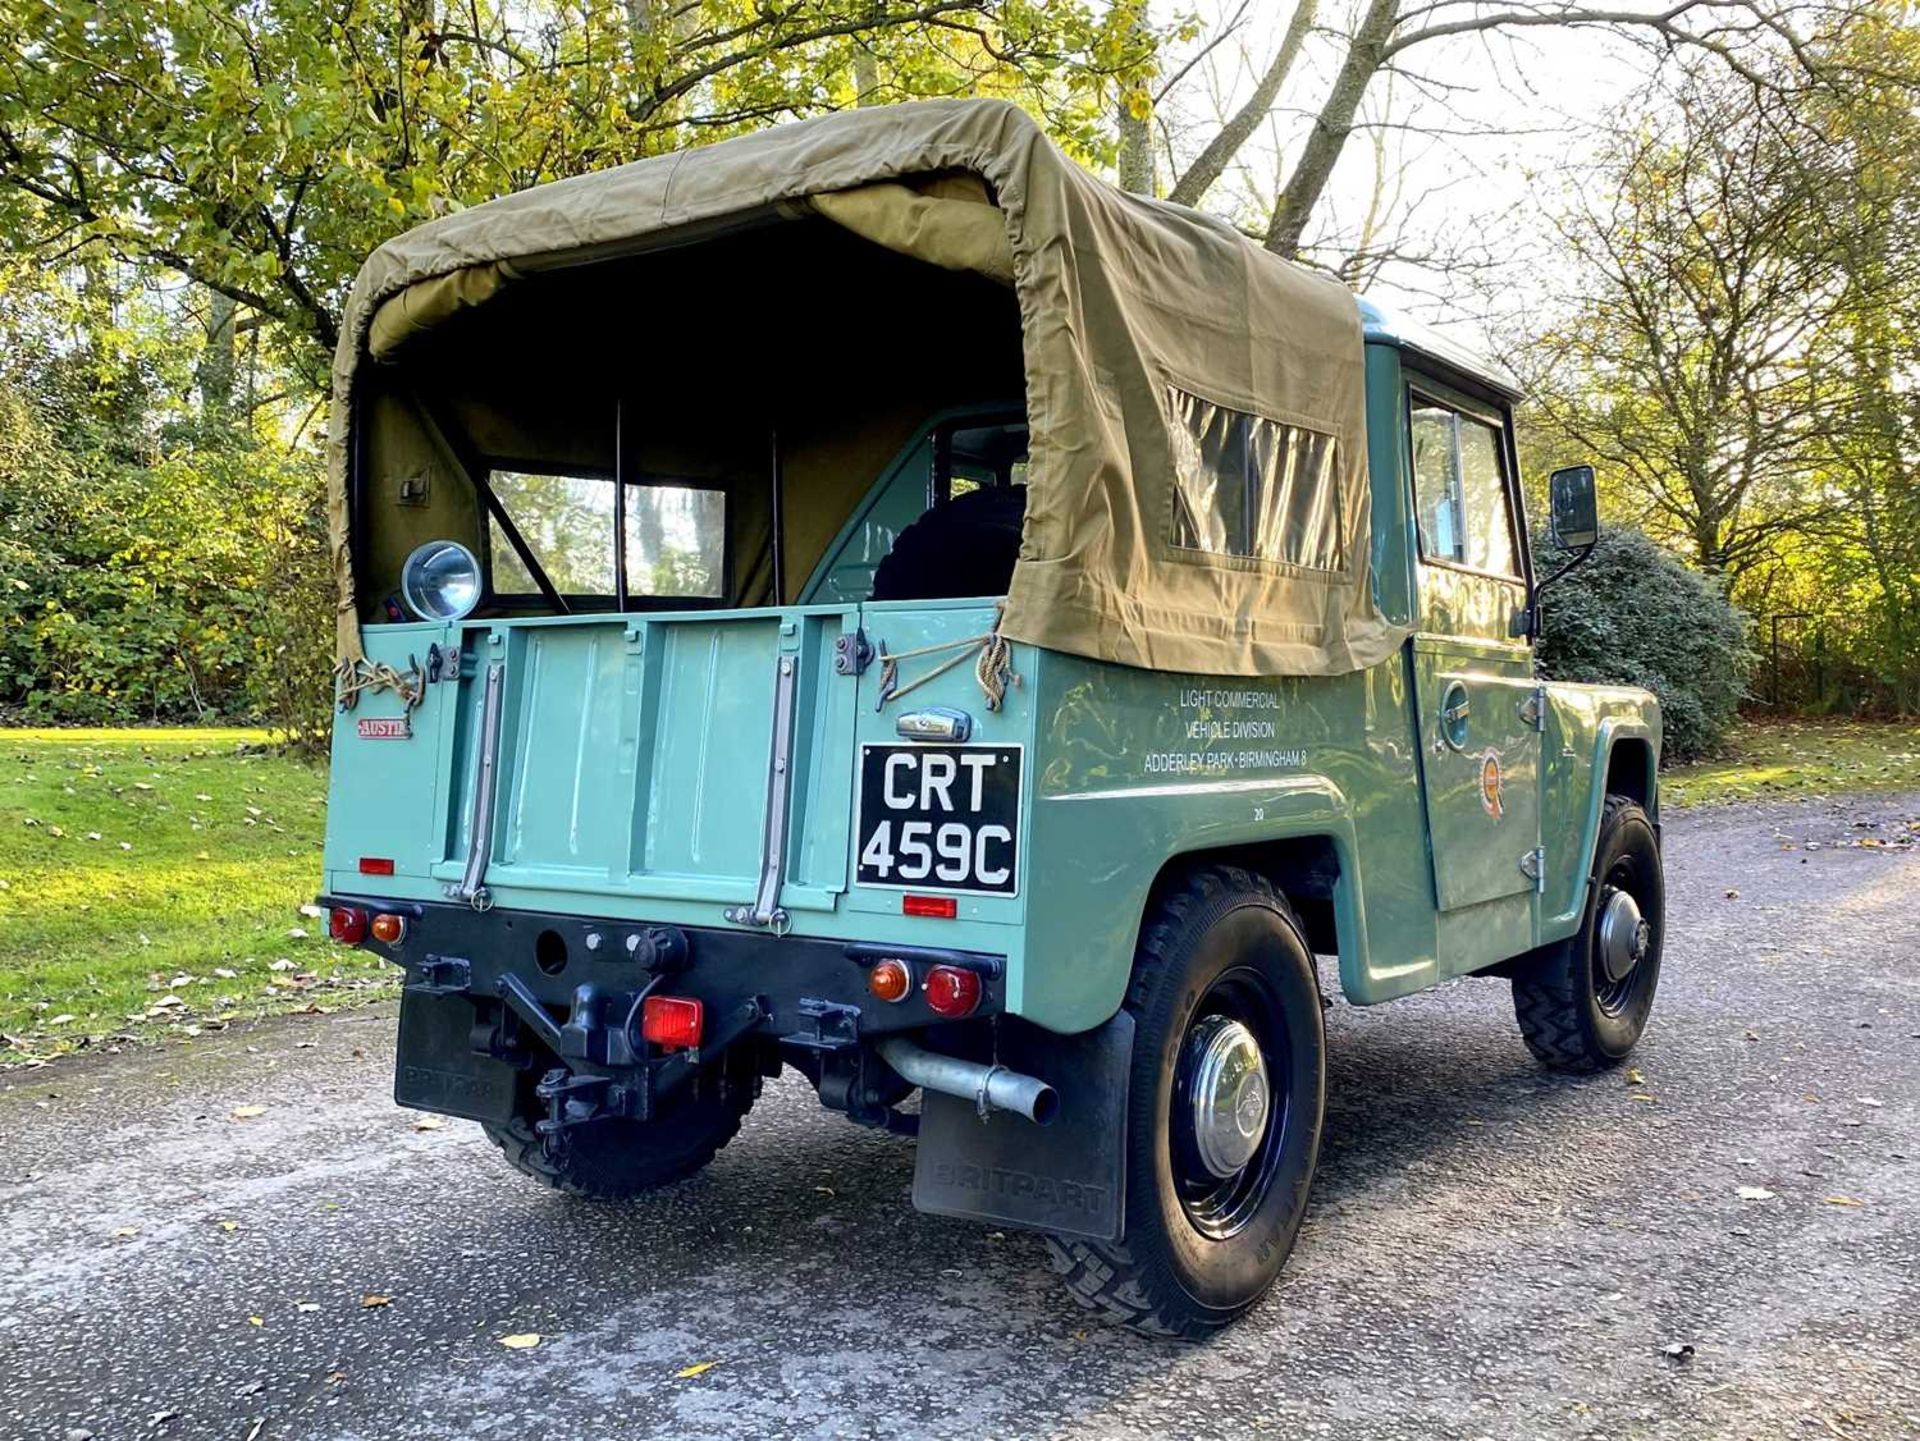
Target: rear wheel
pixel 615 1160
pixel 1224 1111
pixel 1583 1003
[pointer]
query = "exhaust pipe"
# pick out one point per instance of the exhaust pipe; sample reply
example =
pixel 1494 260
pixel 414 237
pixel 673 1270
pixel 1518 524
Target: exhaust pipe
pixel 991 1088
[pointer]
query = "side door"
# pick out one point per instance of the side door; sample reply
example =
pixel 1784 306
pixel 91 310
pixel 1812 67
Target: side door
pixel 1473 680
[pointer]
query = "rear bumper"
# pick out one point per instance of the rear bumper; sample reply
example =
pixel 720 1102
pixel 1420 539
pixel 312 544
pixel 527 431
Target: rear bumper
pixel 490 995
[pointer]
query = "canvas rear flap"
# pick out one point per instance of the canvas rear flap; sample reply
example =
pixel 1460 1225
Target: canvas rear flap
pixel 1136 317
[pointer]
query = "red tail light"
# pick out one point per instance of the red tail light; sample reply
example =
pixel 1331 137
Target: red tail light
pixel 674 1022
pixel 376 865
pixel 347 925
pixel 952 992
pixel 943 907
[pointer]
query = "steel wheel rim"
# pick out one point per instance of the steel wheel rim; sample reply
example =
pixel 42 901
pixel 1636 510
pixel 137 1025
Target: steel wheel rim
pixel 1219 1207
pixel 1615 994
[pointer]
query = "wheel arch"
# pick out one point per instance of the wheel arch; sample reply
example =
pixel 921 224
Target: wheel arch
pixel 1625 762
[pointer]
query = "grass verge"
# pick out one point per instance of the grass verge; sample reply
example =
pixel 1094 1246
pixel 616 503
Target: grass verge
pixel 1781 760
pixel 151 885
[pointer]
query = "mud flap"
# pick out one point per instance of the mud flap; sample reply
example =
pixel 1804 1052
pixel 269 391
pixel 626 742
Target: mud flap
pixel 435 1068
pixel 1069 1177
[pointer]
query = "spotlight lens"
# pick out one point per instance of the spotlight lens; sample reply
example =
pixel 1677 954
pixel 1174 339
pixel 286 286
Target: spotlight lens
pixel 440 581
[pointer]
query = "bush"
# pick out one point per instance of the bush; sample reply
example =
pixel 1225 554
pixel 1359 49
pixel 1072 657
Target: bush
pixel 190 589
pixel 1634 615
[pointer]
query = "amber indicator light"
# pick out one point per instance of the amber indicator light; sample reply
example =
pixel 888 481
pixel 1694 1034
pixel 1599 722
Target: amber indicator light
pixel 890 980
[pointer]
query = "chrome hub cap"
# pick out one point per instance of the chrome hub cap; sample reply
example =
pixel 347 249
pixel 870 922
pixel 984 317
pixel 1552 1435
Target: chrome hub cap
pixel 1624 934
pixel 1230 1096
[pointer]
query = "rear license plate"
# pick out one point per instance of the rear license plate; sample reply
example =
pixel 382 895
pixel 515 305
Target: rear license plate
pixel 943 818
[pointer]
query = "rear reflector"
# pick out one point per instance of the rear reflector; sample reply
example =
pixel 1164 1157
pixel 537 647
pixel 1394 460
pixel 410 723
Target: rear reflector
pixel 944 907
pixel 389 930
pixel 347 925
pixel 674 1022
pixel 952 992
pixel 376 866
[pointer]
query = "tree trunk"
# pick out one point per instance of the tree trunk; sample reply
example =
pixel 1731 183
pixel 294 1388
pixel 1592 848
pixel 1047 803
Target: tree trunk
pixel 214 372
pixel 1136 170
pixel 1212 162
pixel 1331 127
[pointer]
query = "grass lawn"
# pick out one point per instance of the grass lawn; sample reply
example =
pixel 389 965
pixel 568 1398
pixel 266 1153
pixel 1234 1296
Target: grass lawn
pixel 1784 759
pixel 151 884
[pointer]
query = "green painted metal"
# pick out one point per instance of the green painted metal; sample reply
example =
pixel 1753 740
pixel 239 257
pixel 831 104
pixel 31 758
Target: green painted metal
pixel 635 751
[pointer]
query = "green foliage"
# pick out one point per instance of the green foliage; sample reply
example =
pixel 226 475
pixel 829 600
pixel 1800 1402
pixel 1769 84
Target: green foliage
pixel 1634 615
pixel 189 590
pixel 264 150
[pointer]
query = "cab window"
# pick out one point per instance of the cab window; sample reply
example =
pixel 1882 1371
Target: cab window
pixel 1460 490
pixel 676 537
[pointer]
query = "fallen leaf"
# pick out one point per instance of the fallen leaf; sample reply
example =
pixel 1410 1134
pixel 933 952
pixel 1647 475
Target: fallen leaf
pixel 1634 1078
pixel 247 1113
pixel 370 1300
pixel 699 1368
pixel 228 1225
pixel 1844 1201
pixel 428 1123
pixel 63 1019
pixel 1873 1101
pixel 1733 895
pixel 123 1231
pixel 255 1321
pixel 523 1341
pixel 1678 1351
pixel 1755 1193
pixel 307 1307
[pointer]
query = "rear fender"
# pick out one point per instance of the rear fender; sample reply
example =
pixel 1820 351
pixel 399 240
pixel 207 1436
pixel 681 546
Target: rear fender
pixel 1106 850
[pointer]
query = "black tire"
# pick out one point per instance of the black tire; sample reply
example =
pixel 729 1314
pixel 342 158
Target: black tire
pixel 1574 1014
pixel 618 1160
pixel 962 547
pixel 1221 942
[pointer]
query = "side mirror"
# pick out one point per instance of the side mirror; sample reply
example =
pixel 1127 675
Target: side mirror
pixel 1574 522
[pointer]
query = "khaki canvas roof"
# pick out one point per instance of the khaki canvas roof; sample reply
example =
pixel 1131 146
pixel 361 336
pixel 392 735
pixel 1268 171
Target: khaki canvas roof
pixel 1148 332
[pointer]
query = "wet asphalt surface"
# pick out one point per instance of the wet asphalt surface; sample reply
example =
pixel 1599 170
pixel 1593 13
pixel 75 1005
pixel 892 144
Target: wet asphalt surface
pixel 1491 1251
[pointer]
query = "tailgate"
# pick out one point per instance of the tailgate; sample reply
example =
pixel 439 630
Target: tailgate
pixel 651 756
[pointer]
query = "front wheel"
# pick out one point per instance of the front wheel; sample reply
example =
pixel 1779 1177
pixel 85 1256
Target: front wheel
pixel 1224 1111
pixel 1583 1003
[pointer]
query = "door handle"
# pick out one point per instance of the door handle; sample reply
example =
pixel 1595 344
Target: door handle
pixel 1455 708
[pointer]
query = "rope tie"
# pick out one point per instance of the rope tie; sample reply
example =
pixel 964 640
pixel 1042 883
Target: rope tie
pixel 351 677
pixel 992 665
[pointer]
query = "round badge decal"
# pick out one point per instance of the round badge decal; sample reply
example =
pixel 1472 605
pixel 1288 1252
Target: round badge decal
pixel 1490 782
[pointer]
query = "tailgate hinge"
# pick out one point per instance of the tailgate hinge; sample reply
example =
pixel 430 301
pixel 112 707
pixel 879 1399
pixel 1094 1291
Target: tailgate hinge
pixel 765 910
pixel 471 887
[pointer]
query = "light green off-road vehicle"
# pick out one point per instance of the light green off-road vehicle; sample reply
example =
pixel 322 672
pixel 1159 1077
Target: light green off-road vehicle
pixel 870 599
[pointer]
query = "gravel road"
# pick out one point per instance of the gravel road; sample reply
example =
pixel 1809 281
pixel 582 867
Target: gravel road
pixel 1491 1252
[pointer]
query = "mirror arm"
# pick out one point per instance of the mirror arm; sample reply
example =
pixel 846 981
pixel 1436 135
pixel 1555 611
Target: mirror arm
pixel 1532 614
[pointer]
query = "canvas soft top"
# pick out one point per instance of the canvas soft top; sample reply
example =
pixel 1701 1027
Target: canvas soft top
pixel 1142 325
